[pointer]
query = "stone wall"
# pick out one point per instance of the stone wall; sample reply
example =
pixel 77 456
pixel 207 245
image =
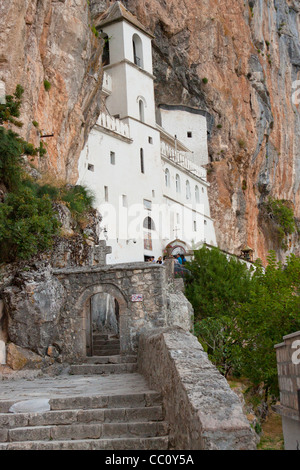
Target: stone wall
pixel 288 365
pixel 48 310
pixel 202 410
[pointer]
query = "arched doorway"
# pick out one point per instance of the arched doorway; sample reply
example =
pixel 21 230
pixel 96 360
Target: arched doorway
pixel 103 325
pixel 102 308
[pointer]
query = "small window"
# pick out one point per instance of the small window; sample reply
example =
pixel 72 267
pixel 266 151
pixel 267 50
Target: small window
pixel 142 161
pixel 167 177
pixel 112 158
pixel 178 189
pixel 148 224
pixel 153 193
pixel 124 201
pixel 203 190
pixel 150 140
pixel 188 190
pixel 178 218
pixel 147 205
pixel 91 167
pixel 195 226
pixel 205 222
pixel 106 193
pixel 189 134
pixel 141 111
pixel 197 194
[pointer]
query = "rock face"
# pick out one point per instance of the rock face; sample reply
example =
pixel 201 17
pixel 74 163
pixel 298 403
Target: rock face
pixel 249 55
pixel 239 61
pixel 52 40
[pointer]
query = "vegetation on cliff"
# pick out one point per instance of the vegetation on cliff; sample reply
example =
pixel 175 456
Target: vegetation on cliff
pixel 28 222
pixel 241 315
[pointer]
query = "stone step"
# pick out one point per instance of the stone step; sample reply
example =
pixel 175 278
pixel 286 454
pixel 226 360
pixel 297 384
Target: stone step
pixel 101 342
pixel 115 359
pixel 153 443
pixel 106 352
pixel 86 431
pixel 81 416
pixel 107 346
pixel 132 400
pixel 90 369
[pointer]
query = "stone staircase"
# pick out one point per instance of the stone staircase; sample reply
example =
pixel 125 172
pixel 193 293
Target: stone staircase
pixel 129 418
pixel 105 345
pixel 106 358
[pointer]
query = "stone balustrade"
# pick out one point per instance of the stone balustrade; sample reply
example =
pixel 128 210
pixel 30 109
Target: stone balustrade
pixel 183 159
pixel 114 125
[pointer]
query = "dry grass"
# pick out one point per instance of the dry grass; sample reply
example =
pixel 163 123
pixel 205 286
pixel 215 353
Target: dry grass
pixel 272 435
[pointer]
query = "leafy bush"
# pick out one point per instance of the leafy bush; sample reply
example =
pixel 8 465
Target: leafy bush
pixel 27 220
pixel 78 199
pixel 47 85
pixel 240 316
pixel 282 213
pixel 27 225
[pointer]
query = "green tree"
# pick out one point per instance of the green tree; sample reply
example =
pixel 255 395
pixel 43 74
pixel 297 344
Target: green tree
pixel 240 316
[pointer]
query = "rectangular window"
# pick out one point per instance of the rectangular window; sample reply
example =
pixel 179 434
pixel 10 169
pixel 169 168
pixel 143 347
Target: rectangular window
pixel 153 193
pixel 195 226
pixel 189 134
pixel 91 167
pixel 150 140
pixel 147 205
pixel 106 193
pixel 124 200
pixel 112 158
pixel 205 222
pixel 142 161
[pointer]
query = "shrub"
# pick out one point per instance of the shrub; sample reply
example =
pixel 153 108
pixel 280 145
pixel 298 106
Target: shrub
pixel 27 225
pixel 205 80
pixel 47 85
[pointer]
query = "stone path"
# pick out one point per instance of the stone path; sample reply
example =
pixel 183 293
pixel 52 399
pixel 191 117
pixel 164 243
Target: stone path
pixel 104 405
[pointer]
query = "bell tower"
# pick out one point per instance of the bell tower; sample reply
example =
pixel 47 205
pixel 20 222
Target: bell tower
pixel 127 58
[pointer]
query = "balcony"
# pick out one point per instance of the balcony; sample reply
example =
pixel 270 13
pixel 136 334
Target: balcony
pixel 183 159
pixel 114 125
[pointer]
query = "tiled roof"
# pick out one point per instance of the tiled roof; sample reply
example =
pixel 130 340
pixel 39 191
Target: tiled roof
pixel 118 12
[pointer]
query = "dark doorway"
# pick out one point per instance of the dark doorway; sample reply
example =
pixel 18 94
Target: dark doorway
pixel 103 325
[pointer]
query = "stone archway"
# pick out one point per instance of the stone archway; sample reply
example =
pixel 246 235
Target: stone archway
pixel 85 306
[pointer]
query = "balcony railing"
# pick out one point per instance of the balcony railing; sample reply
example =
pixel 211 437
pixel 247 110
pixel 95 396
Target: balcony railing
pixel 114 125
pixel 183 159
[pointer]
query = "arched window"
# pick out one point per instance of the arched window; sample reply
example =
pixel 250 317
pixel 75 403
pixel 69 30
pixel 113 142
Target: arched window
pixel 188 190
pixel 178 189
pixel 197 194
pixel 142 111
pixel 105 53
pixel 137 46
pixel 149 224
pixel 142 161
pixel 167 177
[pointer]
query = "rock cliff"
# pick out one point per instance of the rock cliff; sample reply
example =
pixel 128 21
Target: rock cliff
pixel 49 48
pixel 237 60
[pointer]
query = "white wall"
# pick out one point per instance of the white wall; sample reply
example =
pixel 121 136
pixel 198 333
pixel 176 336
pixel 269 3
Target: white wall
pixel 179 122
pixel 188 210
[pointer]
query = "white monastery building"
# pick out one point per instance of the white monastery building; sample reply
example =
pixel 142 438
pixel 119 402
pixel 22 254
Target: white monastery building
pixel 147 178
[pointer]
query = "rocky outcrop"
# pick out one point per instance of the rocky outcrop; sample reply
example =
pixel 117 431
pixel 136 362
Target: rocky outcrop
pixel 237 61
pixel 48 47
pixel 249 55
